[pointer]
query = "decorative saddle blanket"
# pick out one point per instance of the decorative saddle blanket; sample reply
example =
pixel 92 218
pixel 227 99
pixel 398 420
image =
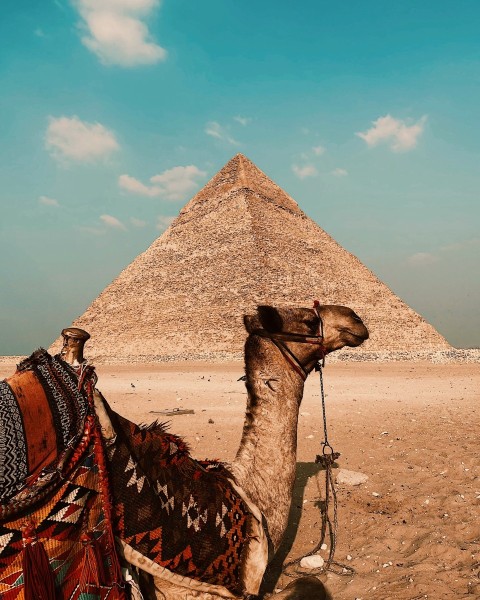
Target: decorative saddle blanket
pixel 74 528
pixel 67 492
pixel 42 414
pixel 56 536
pixel 182 514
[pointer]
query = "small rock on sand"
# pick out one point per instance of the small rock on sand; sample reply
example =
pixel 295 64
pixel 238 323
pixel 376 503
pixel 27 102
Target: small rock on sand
pixel 312 562
pixel 350 477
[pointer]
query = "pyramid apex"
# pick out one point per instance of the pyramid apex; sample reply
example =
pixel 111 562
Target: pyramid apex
pixel 241 174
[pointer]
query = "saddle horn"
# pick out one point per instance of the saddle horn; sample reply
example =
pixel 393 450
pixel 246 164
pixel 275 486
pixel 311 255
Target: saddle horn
pixel 73 342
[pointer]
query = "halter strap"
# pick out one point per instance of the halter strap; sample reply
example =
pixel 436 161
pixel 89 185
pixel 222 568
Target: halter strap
pixel 290 337
pixel 300 338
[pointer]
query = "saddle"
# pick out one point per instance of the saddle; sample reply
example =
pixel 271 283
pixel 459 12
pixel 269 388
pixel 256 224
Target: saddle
pixel 69 493
pixel 56 534
pixel 42 416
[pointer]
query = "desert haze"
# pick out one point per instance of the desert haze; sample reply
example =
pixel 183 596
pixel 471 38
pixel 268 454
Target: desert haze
pixel 412 530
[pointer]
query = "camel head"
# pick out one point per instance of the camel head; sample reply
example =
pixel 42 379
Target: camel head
pixel 339 326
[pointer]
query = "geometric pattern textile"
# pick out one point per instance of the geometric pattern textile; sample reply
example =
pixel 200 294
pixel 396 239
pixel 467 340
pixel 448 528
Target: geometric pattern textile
pixel 182 514
pixel 44 390
pixel 55 499
pixel 73 523
pixel 75 493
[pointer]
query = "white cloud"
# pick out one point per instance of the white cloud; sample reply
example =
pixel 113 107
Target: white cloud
pixel 305 171
pixel 214 129
pixel 164 222
pixel 116 32
pixel 395 132
pixel 339 172
pixel 176 183
pixel 318 150
pixel 72 139
pixel 173 184
pixel 422 259
pixel 46 201
pixel 130 184
pixel 137 222
pixel 112 222
pixel 242 120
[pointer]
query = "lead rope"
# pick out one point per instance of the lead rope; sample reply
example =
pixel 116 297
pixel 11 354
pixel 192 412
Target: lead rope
pixel 326 460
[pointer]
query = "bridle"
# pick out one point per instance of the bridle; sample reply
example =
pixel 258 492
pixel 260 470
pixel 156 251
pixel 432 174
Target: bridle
pixel 279 338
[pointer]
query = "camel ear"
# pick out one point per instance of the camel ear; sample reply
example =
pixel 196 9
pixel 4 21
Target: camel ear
pixel 270 318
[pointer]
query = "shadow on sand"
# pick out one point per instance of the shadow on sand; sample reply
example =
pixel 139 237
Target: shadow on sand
pixel 305 470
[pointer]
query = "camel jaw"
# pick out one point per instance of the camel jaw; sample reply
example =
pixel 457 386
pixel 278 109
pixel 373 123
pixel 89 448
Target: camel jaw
pixel 355 339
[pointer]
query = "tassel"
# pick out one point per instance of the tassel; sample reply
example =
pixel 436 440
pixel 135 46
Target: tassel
pixel 92 574
pixel 39 581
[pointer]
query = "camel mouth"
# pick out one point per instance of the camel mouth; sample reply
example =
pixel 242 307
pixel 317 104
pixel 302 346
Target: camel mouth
pixel 358 338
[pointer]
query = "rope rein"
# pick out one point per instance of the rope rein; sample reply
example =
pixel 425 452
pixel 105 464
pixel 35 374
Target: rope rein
pixel 326 460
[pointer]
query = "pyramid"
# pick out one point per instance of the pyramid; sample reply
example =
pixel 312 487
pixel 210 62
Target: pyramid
pixel 240 242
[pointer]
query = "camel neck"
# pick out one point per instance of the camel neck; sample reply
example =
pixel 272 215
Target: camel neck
pixel 266 460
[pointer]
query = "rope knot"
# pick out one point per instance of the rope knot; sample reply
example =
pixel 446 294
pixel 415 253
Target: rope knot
pixel 327 460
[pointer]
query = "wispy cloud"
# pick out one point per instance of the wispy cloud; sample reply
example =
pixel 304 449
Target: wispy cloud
pixel 215 130
pixel 173 184
pixel 164 222
pixel 242 120
pixel 70 139
pixel 116 31
pixel 318 150
pixel 399 135
pixel 422 259
pixel 305 171
pixel 134 186
pixel 176 183
pixel 112 222
pixel 338 172
pixel 46 201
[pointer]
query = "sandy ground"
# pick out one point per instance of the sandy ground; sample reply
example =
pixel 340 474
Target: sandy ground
pixel 413 529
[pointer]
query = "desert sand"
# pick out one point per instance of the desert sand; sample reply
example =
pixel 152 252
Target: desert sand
pixel 413 529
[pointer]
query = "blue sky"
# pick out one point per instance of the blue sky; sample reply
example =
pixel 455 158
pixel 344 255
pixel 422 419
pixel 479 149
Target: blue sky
pixel 113 113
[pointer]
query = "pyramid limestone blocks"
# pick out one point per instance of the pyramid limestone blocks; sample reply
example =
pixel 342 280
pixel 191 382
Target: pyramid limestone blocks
pixel 240 242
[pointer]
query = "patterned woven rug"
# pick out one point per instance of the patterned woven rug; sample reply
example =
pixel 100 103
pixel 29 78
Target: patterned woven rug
pixel 182 514
pixel 55 497
pixel 73 527
pixel 42 415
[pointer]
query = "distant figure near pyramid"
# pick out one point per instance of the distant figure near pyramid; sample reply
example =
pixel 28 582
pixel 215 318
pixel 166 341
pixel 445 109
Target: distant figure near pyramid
pixel 240 242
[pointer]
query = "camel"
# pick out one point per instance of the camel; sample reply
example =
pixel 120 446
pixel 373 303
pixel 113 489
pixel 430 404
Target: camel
pixel 282 348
